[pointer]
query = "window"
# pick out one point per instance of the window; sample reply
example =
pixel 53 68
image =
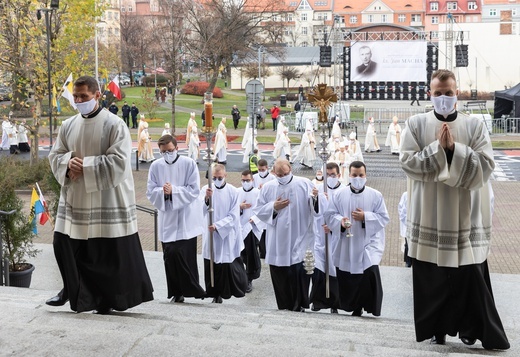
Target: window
pixel 434 35
pixel 514 12
pixel 304 44
pixel 434 6
pixel 116 31
pixel 384 18
pixel 416 18
pixel 451 6
pixel 353 19
pixel 275 18
pixel 130 8
pixel 401 18
pixel 123 9
pixel 289 17
pixel 472 5
pixel 116 16
pixel 304 17
pixel 370 18
pixel 435 20
pixel 492 12
pixel 304 30
pixel 320 3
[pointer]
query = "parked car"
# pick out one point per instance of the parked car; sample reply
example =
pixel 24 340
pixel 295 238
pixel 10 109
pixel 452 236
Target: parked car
pixel 124 80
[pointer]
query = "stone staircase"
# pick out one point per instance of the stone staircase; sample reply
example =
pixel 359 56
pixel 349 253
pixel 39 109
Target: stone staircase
pixel 250 326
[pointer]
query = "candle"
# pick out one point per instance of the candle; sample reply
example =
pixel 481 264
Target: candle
pixel 208 109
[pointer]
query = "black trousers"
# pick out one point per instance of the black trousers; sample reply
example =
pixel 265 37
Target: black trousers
pixel 291 286
pixel 456 300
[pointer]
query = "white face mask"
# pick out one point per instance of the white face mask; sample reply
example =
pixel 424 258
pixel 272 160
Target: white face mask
pixel 219 182
pixel 332 182
pixel 263 174
pixel 86 108
pixel 169 157
pixel 319 177
pixel 285 179
pixel 358 182
pixel 444 104
pixel 247 185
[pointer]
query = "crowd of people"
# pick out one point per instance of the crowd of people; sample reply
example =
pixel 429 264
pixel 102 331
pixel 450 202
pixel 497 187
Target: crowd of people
pixel 282 218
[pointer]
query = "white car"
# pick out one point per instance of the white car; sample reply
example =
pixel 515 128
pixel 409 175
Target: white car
pixel 124 80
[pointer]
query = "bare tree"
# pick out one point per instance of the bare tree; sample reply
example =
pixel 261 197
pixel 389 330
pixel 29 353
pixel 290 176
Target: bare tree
pixel 135 41
pixel 223 30
pixel 288 73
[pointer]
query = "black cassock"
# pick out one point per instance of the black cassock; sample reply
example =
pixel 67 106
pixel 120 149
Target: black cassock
pixel 358 291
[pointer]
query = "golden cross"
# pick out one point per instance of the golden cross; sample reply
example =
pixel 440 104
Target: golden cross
pixel 322 98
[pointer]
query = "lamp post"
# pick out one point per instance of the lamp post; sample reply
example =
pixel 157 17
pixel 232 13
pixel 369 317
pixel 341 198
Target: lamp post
pixel 55 4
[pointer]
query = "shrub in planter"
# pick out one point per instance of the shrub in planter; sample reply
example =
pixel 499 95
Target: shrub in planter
pixel 199 88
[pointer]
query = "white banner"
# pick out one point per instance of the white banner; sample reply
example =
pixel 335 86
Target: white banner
pixel 384 61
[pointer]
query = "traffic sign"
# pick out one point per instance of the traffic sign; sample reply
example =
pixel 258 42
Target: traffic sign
pixel 254 90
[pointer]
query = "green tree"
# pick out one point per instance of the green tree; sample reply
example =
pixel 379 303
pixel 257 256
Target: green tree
pixel 23 51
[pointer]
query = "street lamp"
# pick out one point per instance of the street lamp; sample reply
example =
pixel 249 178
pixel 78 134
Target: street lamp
pixel 55 4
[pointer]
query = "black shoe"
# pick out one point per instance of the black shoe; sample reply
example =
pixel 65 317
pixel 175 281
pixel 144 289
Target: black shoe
pixel 438 340
pixel 249 286
pixel 313 308
pixel 179 298
pixel 468 341
pixel 302 309
pixel 217 300
pixel 56 301
pixel 379 150
pixel 103 311
pixel 357 312
pixel 333 311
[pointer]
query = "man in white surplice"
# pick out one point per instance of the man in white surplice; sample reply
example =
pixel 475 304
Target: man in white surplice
pixel 230 278
pixel 288 206
pixel 393 138
pixel 360 247
pixel 173 189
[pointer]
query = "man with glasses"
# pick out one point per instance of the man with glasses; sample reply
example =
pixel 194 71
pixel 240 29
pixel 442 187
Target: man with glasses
pixel 230 277
pixel 173 189
pixel 287 206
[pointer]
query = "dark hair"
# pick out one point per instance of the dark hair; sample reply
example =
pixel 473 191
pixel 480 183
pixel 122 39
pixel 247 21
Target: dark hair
pixel 262 162
pixel 357 165
pixel 246 172
pixel 166 139
pixel 333 166
pixel 88 81
pixel 255 151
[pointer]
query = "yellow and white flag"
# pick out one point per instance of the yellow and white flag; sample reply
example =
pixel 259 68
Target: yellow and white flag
pixel 66 91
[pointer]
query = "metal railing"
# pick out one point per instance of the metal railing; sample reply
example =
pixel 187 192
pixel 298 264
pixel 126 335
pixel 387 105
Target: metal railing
pixel 152 212
pixel 4 262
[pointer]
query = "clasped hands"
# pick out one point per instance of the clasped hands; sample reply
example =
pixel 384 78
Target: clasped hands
pixel 75 166
pixel 445 138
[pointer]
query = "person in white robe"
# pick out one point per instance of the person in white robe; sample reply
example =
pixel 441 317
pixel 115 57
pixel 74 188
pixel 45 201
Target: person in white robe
pixel 166 130
pixel 12 135
pixel 288 206
pixel 192 123
pixel 403 243
pixel 221 143
pixel 142 122
pixel 230 278
pixel 5 139
pixel 23 140
pixel 144 147
pixel 306 152
pixel 354 148
pixel 343 159
pixel 282 148
pixel 252 228
pixel 318 296
pixel 371 143
pixel 359 215
pixel 96 243
pixel 194 146
pixel 280 128
pixel 247 143
pixel 318 179
pixel 173 188
pixel 336 129
pixel 393 138
pixel 262 177
pixel 448 158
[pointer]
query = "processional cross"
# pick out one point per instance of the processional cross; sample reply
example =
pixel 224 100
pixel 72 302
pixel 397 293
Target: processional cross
pixel 322 98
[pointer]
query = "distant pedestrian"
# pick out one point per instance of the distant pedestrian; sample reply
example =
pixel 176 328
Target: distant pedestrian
pixel 275 111
pixel 414 96
pixel 134 111
pixel 235 113
pixel 125 110
pixel 113 108
pixel 163 95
